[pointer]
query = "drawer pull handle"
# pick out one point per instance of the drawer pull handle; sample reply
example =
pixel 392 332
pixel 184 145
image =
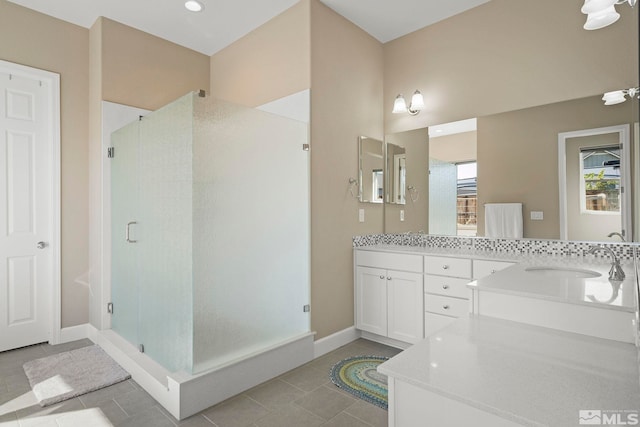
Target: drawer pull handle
pixel 493 271
pixel 388 278
pixel 445 286
pixel 382 276
pixel 446 307
pixel 445 267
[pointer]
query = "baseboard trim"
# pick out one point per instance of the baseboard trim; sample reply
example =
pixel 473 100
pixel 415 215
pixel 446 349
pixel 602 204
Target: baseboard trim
pixel 384 340
pixel 336 340
pixel 74 333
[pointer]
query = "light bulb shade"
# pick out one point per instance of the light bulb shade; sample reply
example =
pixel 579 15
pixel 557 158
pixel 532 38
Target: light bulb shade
pixel 595 6
pixel 399 105
pixel 615 97
pixel 601 19
pixel 417 101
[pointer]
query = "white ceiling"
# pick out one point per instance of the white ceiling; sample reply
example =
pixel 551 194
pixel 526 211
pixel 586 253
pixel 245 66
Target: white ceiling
pixel 387 20
pixel 224 21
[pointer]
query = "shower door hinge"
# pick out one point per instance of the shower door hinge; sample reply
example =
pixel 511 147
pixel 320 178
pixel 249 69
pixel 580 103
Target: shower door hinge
pixel 110 307
pixel 306 308
pixel 305 147
pixel 111 152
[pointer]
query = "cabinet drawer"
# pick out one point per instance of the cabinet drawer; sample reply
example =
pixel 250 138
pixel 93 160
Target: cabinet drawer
pixel 445 305
pixel 436 322
pixel 391 261
pixel 483 268
pixel 447 286
pixel 445 266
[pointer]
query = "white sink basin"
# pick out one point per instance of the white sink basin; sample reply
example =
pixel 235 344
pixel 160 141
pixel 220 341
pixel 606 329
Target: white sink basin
pixel 563 273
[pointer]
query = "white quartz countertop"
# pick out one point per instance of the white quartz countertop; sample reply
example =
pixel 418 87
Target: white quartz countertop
pixel 530 375
pixel 528 279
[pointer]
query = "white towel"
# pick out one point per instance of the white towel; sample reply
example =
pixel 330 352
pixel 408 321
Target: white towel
pixel 503 220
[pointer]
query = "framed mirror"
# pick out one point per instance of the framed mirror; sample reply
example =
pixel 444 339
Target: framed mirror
pixel 370 170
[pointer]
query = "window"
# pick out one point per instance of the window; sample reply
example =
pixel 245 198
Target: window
pixel 467 206
pixel 600 185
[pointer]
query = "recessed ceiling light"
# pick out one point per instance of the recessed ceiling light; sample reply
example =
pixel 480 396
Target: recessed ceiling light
pixel 193 5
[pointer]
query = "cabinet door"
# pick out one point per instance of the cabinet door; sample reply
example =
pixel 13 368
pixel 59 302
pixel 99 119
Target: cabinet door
pixel 405 306
pixel 371 300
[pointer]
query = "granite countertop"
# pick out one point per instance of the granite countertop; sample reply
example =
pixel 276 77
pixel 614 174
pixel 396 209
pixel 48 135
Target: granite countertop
pixel 530 375
pixel 526 279
pixel 448 252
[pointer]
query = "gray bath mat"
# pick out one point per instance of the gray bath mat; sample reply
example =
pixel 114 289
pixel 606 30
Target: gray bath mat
pixel 66 375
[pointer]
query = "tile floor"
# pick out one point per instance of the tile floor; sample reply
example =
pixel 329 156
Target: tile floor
pixel 302 397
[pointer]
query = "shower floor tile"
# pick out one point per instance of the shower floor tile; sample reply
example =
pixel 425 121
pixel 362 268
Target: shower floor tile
pixel 301 397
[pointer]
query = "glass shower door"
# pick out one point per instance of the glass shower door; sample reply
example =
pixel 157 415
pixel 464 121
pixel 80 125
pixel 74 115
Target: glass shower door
pixel 124 211
pixel 165 227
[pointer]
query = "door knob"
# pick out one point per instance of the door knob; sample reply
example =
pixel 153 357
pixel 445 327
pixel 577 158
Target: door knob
pixel 41 245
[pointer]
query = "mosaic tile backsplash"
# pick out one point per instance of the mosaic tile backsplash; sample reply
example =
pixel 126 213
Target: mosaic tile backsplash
pixel 624 251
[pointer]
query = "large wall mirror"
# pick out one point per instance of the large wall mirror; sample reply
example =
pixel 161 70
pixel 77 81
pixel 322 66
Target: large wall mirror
pixel 512 156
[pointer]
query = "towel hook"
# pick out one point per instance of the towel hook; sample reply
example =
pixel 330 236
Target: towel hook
pixel 353 184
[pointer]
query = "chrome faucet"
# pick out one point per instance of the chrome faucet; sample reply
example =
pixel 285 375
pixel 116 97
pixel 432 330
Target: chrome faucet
pixel 616 272
pixel 615 233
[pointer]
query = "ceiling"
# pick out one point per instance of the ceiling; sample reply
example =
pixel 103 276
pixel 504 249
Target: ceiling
pixel 224 21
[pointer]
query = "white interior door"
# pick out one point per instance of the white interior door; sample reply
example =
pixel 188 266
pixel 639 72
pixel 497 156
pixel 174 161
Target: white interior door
pixel 28 230
pixel 577 222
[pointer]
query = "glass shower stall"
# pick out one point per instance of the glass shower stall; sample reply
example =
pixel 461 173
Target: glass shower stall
pixel 210 233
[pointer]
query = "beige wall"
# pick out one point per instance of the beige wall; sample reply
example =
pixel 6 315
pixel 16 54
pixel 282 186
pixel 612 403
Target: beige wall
pixel 269 63
pixel 346 101
pixel 145 71
pixel 456 148
pixel 417 145
pixel 518 160
pixel 506 55
pixel 37 40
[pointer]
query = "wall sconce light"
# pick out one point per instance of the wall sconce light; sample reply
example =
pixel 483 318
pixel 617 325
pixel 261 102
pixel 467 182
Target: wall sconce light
pixel 417 104
pixel 601 13
pixel 619 96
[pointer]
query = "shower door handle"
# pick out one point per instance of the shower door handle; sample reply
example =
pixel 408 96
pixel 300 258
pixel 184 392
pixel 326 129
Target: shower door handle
pixel 127 232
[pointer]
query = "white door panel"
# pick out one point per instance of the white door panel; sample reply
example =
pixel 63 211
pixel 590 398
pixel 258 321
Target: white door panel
pixel 26 217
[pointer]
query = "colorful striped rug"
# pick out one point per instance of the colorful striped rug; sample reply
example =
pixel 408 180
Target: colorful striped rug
pixel 358 376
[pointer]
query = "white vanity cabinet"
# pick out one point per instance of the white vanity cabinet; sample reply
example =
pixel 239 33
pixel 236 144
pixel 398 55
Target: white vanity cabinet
pixel 388 294
pixel 446 296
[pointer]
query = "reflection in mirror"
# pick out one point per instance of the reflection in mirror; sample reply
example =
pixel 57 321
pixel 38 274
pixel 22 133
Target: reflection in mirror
pixel 396 163
pixel 371 165
pixel 594 167
pixel 452 178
